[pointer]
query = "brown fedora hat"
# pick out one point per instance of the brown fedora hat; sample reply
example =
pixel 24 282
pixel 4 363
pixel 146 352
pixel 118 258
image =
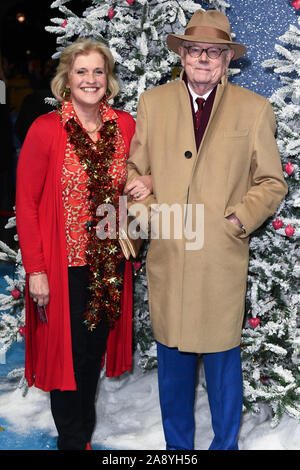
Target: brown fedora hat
pixel 210 26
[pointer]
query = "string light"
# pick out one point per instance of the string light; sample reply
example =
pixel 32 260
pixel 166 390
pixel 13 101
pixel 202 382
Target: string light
pixel 20 17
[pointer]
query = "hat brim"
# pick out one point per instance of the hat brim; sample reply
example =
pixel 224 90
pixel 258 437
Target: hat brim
pixel 175 40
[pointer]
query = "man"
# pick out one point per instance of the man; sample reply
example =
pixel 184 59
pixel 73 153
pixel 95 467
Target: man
pixel 227 161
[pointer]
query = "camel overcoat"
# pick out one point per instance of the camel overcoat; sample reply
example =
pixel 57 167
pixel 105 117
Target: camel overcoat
pixel 197 293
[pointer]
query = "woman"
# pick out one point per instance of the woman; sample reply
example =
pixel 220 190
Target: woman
pixel 78 289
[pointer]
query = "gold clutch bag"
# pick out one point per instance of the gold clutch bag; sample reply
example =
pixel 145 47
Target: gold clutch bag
pixel 129 242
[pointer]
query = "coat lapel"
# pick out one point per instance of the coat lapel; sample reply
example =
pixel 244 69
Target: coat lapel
pixel 219 93
pixel 186 117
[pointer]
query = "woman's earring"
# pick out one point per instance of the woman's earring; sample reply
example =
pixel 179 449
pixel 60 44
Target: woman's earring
pixel 66 94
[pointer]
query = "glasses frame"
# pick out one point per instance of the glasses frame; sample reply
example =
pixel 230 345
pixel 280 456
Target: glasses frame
pixel 206 51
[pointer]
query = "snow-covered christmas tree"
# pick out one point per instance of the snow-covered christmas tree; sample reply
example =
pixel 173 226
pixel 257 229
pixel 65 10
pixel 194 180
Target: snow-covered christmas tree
pixel 271 337
pixel 135 31
pixel 12 304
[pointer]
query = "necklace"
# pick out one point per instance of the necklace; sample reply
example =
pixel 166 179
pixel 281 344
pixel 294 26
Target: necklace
pixel 98 124
pixel 96 128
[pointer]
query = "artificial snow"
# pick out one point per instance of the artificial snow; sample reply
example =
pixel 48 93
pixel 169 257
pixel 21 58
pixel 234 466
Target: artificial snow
pixel 129 417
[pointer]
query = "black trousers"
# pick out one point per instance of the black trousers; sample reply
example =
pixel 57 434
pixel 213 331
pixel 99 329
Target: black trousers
pixel 74 411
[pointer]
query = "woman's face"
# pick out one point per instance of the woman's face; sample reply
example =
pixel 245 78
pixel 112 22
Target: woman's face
pixel 87 79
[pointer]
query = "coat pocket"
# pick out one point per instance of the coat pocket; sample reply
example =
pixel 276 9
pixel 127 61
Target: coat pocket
pixel 232 228
pixel 234 134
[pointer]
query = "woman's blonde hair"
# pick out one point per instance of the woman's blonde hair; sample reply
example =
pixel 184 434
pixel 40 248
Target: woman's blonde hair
pixel 66 61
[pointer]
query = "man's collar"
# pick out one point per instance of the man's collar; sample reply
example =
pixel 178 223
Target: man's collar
pixel 195 95
pixel 192 94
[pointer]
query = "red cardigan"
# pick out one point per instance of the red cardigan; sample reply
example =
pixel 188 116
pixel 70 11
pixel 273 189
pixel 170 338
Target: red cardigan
pixel 40 227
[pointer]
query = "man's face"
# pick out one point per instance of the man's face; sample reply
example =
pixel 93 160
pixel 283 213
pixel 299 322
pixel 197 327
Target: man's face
pixel 202 72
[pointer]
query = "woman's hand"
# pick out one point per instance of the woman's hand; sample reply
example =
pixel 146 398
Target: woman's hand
pixel 39 288
pixel 139 188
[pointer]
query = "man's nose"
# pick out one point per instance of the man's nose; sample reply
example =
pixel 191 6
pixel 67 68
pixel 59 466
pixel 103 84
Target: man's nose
pixel 205 57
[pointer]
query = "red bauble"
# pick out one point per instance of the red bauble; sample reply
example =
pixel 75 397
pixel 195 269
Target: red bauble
pixel 289 168
pixel 21 330
pixel 64 24
pixel 137 265
pixel 15 293
pixel 111 13
pixel 277 224
pixel 296 4
pixel 289 230
pixel 254 322
pixel 130 2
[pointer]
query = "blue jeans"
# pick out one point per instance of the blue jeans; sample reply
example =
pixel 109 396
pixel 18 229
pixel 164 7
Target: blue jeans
pixel 177 374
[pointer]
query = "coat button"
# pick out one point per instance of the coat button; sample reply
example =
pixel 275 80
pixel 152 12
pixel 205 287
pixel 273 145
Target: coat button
pixel 188 154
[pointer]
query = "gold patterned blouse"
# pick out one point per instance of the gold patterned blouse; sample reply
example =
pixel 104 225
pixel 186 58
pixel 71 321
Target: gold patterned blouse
pixel 74 185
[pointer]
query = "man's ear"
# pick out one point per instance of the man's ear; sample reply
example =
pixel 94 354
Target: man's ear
pixel 182 52
pixel 230 55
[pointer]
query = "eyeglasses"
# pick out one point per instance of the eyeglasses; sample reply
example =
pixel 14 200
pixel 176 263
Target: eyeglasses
pixel 211 52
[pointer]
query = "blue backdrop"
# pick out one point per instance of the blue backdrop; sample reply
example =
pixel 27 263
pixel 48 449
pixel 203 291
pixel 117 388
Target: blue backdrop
pixel 258 24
